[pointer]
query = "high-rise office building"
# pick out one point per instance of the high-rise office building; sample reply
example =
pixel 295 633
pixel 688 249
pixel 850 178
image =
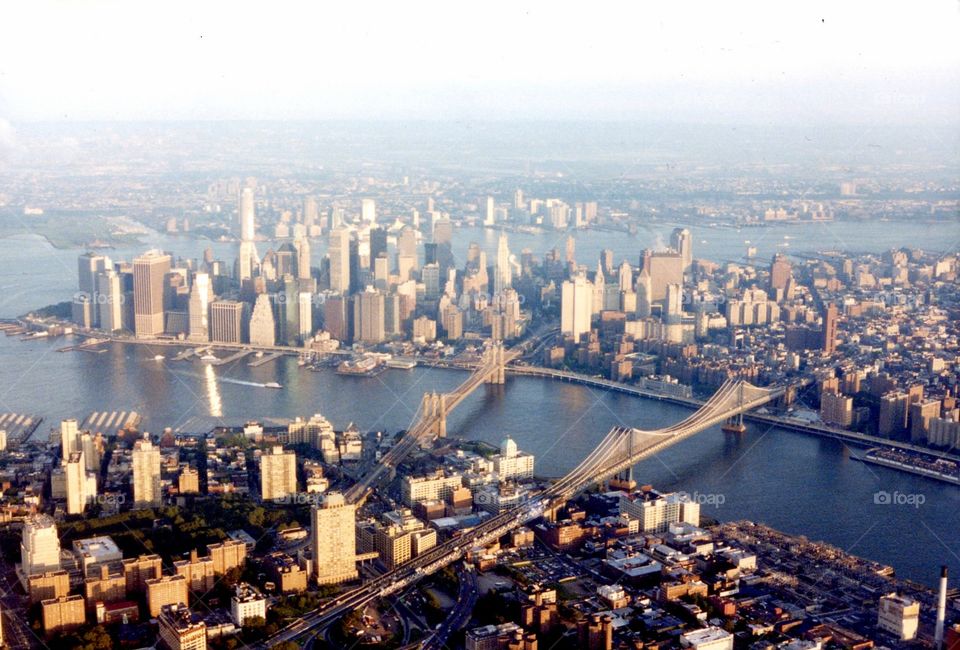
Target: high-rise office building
pixel 490 212
pixel 40 546
pixel 247 259
pixel 378 244
pixel 69 437
pixel 263 328
pixel 146 474
pixel 576 307
pixel 305 314
pixel 664 267
pixel 278 474
pixel 226 321
pixel 199 308
pixel 302 246
pixel 368 211
pixel 333 540
pixel 339 252
pixel 682 242
pixel 369 317
pixel 109 301
pixel 149 289
pixel 503 274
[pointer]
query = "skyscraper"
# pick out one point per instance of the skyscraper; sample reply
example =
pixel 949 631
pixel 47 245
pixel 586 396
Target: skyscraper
pixel 69 437
pixel 490 212
pixel 149 273
pixel 302 246
pixel 89 266
pixel 503 275
pixel 109 303
pixel 339 252
pixel 278 474
pixel 369 317
pixel 146 474
pixel 226 321
pixel 368 210
pixel 199 308
pixel 40 546
pixel 333 540
pixel 682 241
pixel 829 343
pixel 576 306
pixel 81 486
pixel 263 329
pixel 305 314
pixel 247 258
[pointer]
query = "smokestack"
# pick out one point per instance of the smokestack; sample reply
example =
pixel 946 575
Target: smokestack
pixel 941 609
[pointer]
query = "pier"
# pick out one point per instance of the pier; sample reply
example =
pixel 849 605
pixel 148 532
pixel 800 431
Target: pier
pixel 265 359
pixel 233 357
pixel 111 423
pixel 19 426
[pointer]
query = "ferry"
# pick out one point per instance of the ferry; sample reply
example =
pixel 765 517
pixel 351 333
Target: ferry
pixel 272 384
pixel 159 357
pixel 209 357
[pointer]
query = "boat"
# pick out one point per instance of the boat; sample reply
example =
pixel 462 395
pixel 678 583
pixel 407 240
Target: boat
pixel 159 357
pixel 272 384
pixel 258 354
pixel 209 357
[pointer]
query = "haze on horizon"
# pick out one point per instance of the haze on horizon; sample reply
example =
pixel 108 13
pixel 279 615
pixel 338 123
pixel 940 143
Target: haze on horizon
pixel 752 62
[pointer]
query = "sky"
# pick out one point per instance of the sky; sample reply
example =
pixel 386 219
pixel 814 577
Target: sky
pixel 767 62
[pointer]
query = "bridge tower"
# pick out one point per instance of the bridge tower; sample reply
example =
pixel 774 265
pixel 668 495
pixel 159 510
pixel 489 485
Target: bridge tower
pixel 734 424
pixel 434 405
pixel 624 478
pixel 494 356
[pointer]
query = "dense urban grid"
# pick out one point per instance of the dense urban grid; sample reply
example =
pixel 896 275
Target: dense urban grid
pixel 293 534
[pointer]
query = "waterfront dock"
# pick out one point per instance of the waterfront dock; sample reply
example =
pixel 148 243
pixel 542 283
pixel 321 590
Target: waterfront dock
pixel 19 426
pixel 265 359
pixel 111 423
pixel 236 356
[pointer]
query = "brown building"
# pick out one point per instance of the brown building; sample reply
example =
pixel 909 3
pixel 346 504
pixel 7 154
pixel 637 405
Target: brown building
pixel 105 583
pixel 230 554
pixel 829 342
pixel 44 586
pixel 138 570
pixel 595 632
pixel 198 571
pixel 61 615
pixel 181 629
pixel 284 571
pixel 189 481
pixel 166 590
